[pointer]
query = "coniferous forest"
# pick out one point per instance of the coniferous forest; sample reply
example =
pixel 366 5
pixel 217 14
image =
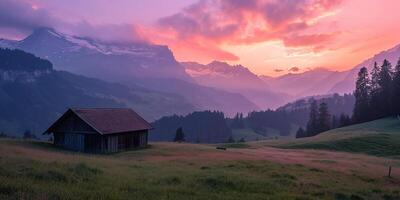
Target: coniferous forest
pixel 377 93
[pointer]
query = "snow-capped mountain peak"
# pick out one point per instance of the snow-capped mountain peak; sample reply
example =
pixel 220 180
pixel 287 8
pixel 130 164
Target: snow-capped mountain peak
pixel 77 43
pixel 106 60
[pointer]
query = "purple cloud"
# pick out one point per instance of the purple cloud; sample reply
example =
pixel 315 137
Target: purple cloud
pixel 23 16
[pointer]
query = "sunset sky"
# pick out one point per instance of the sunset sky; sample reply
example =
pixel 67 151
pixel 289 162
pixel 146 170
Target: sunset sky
pixel 271 37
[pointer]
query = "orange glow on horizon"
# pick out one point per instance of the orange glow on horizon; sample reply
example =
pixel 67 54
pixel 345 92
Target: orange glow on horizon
pixel 336 38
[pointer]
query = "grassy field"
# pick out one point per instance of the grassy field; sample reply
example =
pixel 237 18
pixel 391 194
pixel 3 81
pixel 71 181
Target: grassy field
pixel 378 138
pixel 247 135
pixel 36 170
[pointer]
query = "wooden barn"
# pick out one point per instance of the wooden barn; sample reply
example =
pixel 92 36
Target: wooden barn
pixel 100 130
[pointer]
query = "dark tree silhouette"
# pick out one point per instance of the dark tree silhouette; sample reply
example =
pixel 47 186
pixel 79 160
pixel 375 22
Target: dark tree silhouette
pixel 374 92
pixel 179 135
pixel 238 121
pixel 3 135
pixel 199 127
pixel 344 120
pixel 231 140
pixel 29 135
pixel 361 107
pixel 335 122
pixel 385 84
pixel 301 133
pixel 312 125
pixel 396 89
pixel 324 118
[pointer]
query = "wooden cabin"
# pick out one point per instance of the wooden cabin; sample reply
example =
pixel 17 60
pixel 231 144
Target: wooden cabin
pixel 100 130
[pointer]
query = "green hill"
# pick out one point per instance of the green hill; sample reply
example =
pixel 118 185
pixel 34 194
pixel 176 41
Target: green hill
pixel 379 138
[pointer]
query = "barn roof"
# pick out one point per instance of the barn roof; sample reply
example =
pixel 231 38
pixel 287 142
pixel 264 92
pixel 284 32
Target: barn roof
pixel 109 120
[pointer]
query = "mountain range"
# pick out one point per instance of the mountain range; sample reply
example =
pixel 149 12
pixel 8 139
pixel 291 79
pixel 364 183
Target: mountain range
pixel 347 84
pixel 152 69
pixel 272 92
pixel 237 79
pixel 33 94
pixel 134 64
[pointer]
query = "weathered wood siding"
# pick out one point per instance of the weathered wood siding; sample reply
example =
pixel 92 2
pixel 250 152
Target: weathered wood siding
pixel 74 124
pixel 72 132
pixel 75 142
pixel 77 135
pixel 112 141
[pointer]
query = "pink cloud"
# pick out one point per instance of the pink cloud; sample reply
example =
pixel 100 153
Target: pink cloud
pixel 315 41
pixel 294 69
pixel 249 21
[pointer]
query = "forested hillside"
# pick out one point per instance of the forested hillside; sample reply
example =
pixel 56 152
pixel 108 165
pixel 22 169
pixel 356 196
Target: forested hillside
pixel 198 127
pixel 33 95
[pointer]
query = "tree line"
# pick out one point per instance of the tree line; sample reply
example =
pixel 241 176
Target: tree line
pixel 196 127
pixel 320 120
pixel 377 93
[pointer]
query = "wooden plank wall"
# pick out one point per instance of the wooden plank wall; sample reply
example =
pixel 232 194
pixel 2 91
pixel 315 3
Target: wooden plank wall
pixel 95 143
pixel 74 141
pixel 112 143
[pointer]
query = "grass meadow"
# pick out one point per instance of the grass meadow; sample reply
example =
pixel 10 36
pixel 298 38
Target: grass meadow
pixel 378 138
pixel 36 170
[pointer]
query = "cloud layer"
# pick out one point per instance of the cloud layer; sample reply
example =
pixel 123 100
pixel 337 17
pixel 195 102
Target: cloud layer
pixel 216 22
pixel 24 16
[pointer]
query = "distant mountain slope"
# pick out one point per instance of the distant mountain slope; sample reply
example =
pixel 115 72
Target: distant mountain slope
pixel 98 59
pixel 347 84
pixel 337 104
pixel 204 98
pixel 32 94
pixel 148 65
pixel 322 81
pixel 314 82
pixel 237 79
pixel 223 75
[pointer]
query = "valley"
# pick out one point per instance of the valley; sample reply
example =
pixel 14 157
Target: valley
pixel 199 100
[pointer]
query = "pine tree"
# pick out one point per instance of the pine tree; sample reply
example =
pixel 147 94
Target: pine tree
pixel 238 121
pixel 396 89
pixel 335 122
pixel 375 77
pixel 385 83
pixel 179 135
pixel 361 107
pixel 324 118
pixel 27 135
pixel 300 133
pixel 374 94
pixel 2 134
pixel 312 125
pixel 231 140
pixel 241 121
pixel 344 120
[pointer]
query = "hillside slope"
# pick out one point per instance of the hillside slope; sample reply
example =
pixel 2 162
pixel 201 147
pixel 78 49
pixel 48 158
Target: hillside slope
pixel 379 138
